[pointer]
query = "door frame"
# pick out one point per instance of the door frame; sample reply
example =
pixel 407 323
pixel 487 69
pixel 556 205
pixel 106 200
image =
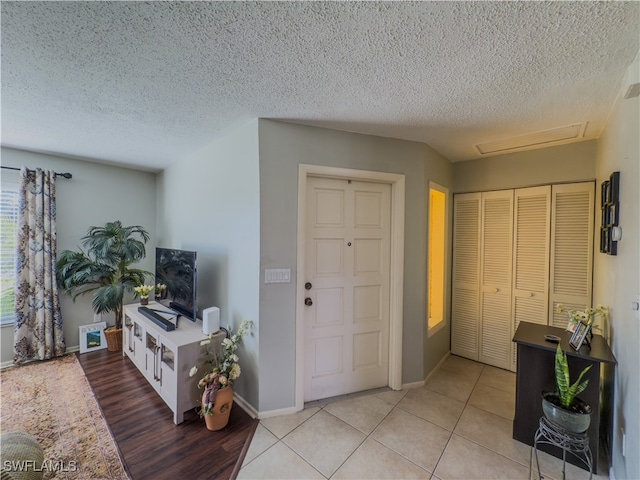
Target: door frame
pixel 396 270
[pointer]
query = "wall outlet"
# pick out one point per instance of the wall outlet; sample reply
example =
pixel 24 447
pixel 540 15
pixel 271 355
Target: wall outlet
pixel 97 317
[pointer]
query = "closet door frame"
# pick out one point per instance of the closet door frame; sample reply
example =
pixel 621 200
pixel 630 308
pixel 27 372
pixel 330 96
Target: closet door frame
pixel 537 304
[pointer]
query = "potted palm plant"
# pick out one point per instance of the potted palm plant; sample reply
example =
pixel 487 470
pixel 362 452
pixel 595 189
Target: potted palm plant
pixel 104 269
pixel 563 407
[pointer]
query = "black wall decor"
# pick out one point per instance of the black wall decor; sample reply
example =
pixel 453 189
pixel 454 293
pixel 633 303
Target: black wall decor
pixel 610 206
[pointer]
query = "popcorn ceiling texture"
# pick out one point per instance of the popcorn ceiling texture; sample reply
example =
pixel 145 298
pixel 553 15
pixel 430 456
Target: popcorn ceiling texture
pixel 149 83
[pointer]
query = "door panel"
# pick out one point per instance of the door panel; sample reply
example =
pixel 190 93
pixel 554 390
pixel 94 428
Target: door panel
pixel 465 305
pixel 348 255
pixel 496 267
pixel 532 225
pixel 572 225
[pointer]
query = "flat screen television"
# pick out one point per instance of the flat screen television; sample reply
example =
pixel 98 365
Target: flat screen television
pixel 176 269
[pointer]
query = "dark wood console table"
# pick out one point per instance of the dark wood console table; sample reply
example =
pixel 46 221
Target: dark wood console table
pixel 535 374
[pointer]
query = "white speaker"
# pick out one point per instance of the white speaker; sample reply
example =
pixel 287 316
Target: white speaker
pixel 210 320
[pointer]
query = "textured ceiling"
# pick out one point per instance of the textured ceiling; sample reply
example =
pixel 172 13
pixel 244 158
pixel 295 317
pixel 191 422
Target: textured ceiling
pixel 148 83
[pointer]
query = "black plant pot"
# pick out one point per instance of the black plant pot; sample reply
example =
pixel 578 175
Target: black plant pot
pixel 576 419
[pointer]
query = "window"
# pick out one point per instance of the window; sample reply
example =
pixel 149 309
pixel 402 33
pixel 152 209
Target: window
pixel 8 238
pixel 437 257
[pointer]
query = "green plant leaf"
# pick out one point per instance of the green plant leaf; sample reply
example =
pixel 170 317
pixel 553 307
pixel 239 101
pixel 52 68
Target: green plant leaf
pixel 577 388
pixel 567 391
pixel 562 374
pixel 103 267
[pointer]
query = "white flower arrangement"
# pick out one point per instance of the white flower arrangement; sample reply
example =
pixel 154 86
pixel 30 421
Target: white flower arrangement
pixel 586 316
pixel 143 290
pixel 224 365
pixel 160 290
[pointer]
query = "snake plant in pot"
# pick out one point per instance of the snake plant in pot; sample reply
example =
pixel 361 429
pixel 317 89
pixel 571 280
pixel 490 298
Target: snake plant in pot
pixel 104 268
pixel 563 407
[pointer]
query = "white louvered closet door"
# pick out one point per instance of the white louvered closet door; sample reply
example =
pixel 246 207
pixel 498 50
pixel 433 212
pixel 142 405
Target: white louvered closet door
pixel 465 275
pixel 531 232
pixel 496 270
pixel 572 224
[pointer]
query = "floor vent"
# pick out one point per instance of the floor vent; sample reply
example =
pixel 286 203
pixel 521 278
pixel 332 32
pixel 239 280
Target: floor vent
pixel 545 138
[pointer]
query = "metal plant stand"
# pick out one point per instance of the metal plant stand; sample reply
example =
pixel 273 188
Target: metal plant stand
pixel 574 443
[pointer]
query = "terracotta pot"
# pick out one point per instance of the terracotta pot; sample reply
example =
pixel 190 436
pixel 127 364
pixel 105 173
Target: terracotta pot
pixel 221 409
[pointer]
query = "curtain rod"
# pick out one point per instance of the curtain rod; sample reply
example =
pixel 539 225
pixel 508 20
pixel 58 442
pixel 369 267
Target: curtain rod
pixel 64 175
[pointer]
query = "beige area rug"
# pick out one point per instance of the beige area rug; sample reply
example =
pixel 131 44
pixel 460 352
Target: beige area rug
pixel 53 401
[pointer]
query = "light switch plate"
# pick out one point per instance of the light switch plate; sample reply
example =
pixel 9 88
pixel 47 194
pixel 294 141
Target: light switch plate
pixel 277 275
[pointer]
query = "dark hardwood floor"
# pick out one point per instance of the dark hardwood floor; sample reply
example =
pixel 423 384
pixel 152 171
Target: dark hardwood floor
pixel 152 446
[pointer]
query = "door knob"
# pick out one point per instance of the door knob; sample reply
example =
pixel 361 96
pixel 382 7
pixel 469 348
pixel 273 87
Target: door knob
pixel 307 286
pixel 308 302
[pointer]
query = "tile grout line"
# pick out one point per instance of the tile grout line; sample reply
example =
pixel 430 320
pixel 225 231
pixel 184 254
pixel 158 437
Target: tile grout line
pixel 397 405
pixel 366 435
pixel 394 406
pixel 280 440
pixel 466 404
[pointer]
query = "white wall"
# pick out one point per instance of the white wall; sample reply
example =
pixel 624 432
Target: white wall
pixel 283 147
pixel 95 195
pixel 617 278
pixel 210 203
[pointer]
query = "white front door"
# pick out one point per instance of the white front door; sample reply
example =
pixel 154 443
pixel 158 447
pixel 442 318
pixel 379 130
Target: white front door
pixel 347 286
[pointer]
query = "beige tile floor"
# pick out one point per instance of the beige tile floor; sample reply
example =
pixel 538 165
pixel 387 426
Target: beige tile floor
pixel 458 426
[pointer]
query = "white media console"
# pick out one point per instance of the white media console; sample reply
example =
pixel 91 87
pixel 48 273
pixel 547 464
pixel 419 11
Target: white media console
pixel 165 357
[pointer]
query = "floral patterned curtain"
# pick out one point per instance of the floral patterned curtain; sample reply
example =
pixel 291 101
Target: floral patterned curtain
pixel 38 326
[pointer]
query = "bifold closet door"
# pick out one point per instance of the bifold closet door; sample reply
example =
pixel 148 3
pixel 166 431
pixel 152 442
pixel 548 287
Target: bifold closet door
pixel 496 270
pixel 531 231
pixel 465 275
pixel 572 224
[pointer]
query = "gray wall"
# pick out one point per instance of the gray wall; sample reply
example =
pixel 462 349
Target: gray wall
pixel 617 278
pixel 566 163
pixel 283 147
pixel 209 202
pixel 95 195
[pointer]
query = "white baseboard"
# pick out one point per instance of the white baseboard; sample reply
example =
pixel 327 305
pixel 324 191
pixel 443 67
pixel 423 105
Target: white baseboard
pixel 406 386
pixel 433 372
pixel 246 406
pixel 9 363
pixel 428 377
pixel 289 410
pixel 277 413
pixel 253 413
